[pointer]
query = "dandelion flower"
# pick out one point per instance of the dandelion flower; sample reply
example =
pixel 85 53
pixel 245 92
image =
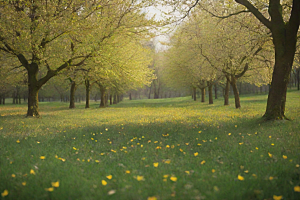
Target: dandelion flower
pixel 140 178
pixel 202 162
pixel 155 164
pixel 18 141
pixel 109 176
pixel 241 178
pixel 173 178
pixel 284 157
pixel 297 188
pixel 42 157
pixel 55 184
pixel 196 154
pixel 151 198
pixel 213 170
pixel 13 175
pixel 277 197
pixel 32 172
pixel 104 182
pixel 24 183
pixel 50 189
pixel 127 172
pixel 4 193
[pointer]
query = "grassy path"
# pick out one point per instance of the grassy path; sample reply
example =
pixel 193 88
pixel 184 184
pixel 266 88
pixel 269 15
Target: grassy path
pixel 151 149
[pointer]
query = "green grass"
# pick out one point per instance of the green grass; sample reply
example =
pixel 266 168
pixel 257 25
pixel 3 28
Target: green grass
pixel 133 135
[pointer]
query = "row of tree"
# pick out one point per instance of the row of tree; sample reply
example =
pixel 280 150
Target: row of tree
pixel 98 43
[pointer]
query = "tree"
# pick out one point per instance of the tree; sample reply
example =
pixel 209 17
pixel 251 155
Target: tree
pixel 43 35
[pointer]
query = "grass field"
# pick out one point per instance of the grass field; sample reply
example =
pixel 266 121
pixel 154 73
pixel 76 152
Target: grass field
pixel 151 149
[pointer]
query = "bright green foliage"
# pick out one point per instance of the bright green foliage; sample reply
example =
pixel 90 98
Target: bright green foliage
pixel 163 149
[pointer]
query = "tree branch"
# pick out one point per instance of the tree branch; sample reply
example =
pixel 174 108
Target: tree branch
pixel 255 12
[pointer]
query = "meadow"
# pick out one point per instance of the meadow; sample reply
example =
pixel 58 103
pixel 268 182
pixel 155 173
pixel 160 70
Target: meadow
pixel 151 149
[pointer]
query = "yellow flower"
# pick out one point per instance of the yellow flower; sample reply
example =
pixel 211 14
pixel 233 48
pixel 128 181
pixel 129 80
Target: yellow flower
pixel 166 147
pixel 13 175
pixel 151 198
pixel 42 157
pixel 199 144
pixel 4 193
pixel 246 171
pixel 297 188
pixel 240 178
pixel 32 172
pixel 127 172
pixel 272 144
pixel 202 162
pixel 229 133
pixel 97 161
pixel 297 165
pixel 256 148
pixel 104 182
pixel 140 178
pixel 173 178
pixel 55 184
pixel 277 197
pixel 270 155
pixel 188 172
pixel 168 161
pixel 284 157
pixel 50 189
pixel 24 183
pixel 109 177
pixel 166 175
pixel 155 164
pixel 18 141
pixel 271 178
pixel 196 154
pixel 213 170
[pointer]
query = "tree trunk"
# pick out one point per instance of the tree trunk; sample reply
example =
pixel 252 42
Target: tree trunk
pixel 216 91
pixel 87 93
pixel 210 94
pixel 33 91
pixel 278 88
pixel 118 98
pixel 298 78
pixel 226 94
pixel 0 99
pixel 102 97
pixel 115 99
pixel 194 93
pixel 110 99
pixel 72 94
pixel 202 94
pixel 235 92
pixel 3 99
pixel 130 98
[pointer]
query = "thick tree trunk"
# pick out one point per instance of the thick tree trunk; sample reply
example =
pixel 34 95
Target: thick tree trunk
pixel 226 93
pixel 235 92
pixel 0 99
pixel 102 91
pixel 202 94
pixel 87 93
pixel 3 99
pixel 33 90
pixel 130 97
pixel 194 93
pixel 277 94
pixel 72 94
pixel 210 94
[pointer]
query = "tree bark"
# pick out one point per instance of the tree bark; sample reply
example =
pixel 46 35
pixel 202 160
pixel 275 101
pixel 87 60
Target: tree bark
pixel 87 93
pixel 110 99
pixel 115 99
pixel 210 93
pixel 298 78
pixel 102 97
pixel 202 94
pixel 33 90
pixel 194 93
pixel 235 92
pixel 130 97
pixel 72 94
pixel 216 91
pixel 226 94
